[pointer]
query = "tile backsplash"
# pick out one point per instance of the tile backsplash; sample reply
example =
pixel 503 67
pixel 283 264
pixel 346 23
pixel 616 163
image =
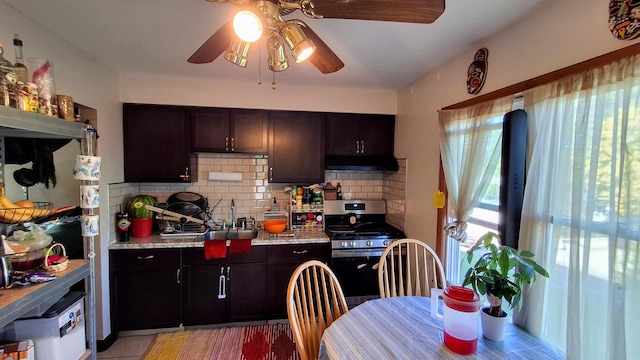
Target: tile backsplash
pixel 254 194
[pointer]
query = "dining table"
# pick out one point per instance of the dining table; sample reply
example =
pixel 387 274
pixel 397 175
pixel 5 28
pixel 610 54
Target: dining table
pixel 403 328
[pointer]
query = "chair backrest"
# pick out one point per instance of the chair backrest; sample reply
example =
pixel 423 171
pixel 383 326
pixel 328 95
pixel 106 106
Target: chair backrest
pixel 314 301
pixel 409 267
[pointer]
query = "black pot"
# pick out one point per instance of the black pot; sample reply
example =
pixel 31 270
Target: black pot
pixel 190 197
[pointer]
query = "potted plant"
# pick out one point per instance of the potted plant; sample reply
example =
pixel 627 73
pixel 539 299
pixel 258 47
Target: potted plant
pixel 501 273
pixel 141 217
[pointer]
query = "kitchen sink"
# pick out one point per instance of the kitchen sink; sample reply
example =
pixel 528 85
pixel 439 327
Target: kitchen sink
pixel 235 233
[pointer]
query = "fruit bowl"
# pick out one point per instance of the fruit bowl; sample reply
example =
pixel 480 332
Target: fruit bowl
pixel 274 226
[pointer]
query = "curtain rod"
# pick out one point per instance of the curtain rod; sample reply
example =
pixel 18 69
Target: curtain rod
pixel 549 77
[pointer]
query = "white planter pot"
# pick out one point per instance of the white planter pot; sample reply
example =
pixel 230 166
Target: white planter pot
pixel 493 328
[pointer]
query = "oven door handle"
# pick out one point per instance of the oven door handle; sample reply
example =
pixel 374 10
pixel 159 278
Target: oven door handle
pixel 356 253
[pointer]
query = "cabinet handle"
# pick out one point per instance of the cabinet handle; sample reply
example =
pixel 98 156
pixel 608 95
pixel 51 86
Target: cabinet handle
pixel 357 147
pixel 299 252
pixel 185 176
pixel 228 272
pixel 178 276
pixel 270 173
pixel 233 147
pixel 222 285
pixel 361 146
pixel 148 257
pixel 226 143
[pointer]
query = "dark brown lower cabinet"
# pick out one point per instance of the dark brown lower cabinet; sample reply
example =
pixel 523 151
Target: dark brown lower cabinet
pixel 281 263
pixel 146 288
pixel 160 288
pixel 223 290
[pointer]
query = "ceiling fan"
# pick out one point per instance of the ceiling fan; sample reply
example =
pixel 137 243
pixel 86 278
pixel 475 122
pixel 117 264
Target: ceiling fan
pixel 264 18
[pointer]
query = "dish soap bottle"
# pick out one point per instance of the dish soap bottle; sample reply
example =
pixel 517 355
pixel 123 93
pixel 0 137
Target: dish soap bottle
pixel 275 206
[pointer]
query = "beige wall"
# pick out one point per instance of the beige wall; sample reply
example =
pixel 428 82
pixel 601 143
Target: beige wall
pixel 561 33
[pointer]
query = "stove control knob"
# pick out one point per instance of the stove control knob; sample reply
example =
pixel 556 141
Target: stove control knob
pixel 344 244
pixel 352 243
pixel 369 243
pixel 385 242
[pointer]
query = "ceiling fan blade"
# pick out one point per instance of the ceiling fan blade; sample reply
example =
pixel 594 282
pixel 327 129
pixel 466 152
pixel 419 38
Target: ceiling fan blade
pixel 409 11
pixel 324 59
pixel 214 46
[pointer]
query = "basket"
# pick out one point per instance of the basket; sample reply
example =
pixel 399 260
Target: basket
pixel 55 267
pixel 23 214
pixel 26 261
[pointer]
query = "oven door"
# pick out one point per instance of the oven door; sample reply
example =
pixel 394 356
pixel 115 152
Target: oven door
pixel 357 272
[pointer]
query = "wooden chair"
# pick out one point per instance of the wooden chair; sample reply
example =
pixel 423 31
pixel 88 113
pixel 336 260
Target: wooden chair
pixel 314 301
pixel 409 267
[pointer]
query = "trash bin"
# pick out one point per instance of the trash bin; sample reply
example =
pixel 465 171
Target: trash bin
pixel 59 333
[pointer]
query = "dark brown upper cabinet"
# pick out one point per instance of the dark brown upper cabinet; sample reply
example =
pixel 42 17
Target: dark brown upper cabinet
pixel 156 144
pixel 360 134
pixel 229 130
pixel 296 147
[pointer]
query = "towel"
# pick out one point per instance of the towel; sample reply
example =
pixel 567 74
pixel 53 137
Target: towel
pixel 239 246
pixel 215 249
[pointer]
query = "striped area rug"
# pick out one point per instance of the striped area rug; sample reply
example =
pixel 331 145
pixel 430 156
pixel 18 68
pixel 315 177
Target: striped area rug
pixel 260 342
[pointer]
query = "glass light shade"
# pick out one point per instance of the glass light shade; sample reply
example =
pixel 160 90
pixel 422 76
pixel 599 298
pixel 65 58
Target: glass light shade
pixel 301 46
pixel 247 26
pixel 238 52
pixel 277 59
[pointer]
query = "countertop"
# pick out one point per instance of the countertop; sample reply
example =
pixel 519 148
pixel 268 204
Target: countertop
pixel 157 241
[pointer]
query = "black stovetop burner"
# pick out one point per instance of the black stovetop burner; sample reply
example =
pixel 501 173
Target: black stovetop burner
pixel 364 230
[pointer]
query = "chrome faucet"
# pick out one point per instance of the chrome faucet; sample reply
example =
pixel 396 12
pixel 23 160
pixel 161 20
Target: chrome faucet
pixel 233 214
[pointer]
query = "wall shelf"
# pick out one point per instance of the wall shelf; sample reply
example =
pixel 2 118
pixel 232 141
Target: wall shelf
pixel 18 123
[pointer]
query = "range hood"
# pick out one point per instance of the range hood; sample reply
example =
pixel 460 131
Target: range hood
pixel 361 162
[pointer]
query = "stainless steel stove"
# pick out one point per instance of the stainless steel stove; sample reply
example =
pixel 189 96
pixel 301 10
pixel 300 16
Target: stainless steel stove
pixel 359 234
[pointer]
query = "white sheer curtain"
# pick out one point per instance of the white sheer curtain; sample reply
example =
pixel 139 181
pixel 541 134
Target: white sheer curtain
pixel 470 145
pixel 581 212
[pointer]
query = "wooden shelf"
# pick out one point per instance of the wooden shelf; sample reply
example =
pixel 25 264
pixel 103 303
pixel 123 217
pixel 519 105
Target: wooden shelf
pixel 18 123
pixel 34 300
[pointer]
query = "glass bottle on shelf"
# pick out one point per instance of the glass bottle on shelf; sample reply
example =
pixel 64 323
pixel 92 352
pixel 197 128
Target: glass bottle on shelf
pixel 6 77
pixel 19 68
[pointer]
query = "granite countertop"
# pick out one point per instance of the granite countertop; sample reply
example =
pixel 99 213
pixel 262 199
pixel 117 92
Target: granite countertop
pixel 157 241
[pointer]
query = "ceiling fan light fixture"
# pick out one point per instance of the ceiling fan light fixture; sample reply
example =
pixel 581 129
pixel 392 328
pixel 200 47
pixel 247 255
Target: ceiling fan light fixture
pixel 301 46
pixel 238 52
pixel 277 58
pixel 247 26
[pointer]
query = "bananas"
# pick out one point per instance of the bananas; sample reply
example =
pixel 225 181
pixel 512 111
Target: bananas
pixel 12 213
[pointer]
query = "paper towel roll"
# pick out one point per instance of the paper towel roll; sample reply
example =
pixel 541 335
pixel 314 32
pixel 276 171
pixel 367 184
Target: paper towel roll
pixel 89 225
pixel 89 196
pixel 87 167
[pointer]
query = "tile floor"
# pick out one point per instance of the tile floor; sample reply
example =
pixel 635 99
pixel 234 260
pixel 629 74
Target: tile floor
pixel 130 347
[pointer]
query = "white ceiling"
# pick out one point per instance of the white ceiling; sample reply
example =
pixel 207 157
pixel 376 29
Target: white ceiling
pixel 155 37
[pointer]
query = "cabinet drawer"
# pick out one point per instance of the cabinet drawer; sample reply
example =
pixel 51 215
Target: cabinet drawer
pixel 299 253
pixel 144 259
pixel 195 256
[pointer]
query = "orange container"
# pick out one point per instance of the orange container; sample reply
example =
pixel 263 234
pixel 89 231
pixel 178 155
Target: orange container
pixel 275 226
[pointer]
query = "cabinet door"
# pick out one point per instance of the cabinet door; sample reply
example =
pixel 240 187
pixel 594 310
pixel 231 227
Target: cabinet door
pixel 283 260
pixel 296 147
pixel 156 144
pixel 146 288
pixel 376 134
pixel 210 130
pixel 249 131
pixel 203 290
pixel 247 291
pixel 342 134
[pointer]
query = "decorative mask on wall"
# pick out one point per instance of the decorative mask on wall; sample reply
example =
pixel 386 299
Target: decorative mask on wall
pixel 477 72
pixel 624 19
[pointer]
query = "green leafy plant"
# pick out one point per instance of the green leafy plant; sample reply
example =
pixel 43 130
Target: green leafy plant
pixel 500 273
